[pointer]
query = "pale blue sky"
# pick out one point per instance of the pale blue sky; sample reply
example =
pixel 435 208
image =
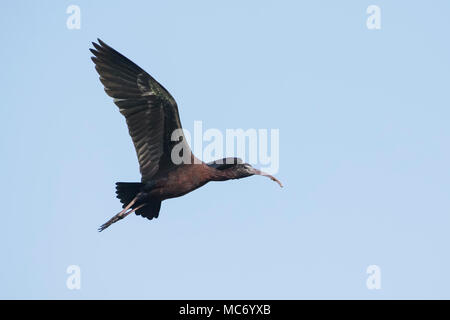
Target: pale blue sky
pixel 364 150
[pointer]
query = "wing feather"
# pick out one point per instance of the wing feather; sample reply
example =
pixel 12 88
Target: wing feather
pixel 150 111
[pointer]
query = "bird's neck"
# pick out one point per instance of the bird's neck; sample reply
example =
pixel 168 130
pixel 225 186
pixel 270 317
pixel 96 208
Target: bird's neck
pixel 222 175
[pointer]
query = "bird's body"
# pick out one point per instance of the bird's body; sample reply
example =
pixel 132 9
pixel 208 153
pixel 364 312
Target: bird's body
pixel 182 180
pixel 152 118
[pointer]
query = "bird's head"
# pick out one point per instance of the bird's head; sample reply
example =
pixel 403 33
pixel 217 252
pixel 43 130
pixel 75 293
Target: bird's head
pixel 243 170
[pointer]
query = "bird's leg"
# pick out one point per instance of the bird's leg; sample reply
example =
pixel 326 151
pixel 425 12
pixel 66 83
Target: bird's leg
pixel 126 208
pixel 131 211
pixel 122 214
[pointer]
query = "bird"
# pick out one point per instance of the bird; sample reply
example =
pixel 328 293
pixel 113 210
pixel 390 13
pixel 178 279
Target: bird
pixel 151 114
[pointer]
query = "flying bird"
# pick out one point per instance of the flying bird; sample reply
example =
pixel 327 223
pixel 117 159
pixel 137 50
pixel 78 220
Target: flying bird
pixel 152 117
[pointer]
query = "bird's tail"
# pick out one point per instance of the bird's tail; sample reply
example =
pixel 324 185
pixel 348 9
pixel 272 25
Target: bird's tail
pixel 127 192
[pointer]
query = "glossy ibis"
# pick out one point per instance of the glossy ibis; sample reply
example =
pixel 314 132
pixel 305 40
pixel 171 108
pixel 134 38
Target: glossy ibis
pixel 152 116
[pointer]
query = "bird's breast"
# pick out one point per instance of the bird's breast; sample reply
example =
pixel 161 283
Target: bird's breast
pixel 181 181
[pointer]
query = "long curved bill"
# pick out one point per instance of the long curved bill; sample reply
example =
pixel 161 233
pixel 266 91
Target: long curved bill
pixel 262 173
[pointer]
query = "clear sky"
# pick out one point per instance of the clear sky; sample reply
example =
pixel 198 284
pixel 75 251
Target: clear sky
pixel 363 117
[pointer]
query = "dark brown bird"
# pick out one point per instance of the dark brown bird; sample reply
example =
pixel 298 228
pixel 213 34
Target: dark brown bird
pixel 152 116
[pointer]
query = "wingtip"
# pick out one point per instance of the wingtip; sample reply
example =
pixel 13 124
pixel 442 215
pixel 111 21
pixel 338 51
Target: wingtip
pixel 99 41
pixel 102 43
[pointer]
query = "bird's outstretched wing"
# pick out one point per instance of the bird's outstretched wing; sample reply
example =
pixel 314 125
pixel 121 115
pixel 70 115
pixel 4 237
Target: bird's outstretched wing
pixel 150 111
